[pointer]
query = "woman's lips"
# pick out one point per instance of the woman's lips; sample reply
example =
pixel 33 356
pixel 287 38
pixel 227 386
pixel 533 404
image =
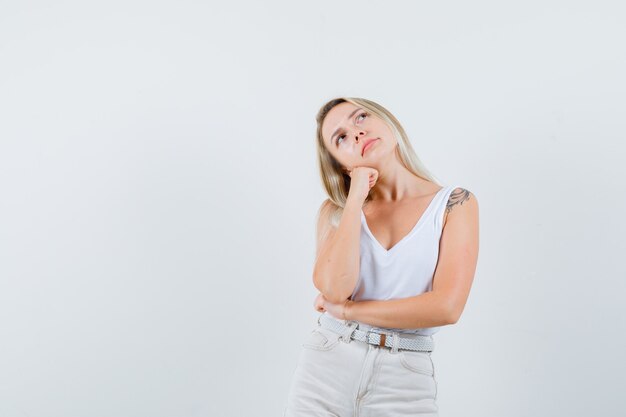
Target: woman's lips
pixel 367 145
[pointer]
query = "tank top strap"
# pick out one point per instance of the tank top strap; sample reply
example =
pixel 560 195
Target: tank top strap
pixel 443 204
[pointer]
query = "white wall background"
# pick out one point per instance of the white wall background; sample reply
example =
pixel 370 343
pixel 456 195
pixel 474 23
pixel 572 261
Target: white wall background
pixel 158 193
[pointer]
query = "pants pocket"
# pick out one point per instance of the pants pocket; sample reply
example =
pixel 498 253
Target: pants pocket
pixel 419 362
pixel 321 338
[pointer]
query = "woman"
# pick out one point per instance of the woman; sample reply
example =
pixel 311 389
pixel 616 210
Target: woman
pixel 396 256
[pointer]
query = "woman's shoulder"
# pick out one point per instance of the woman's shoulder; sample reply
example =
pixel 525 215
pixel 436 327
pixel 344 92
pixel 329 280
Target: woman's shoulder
pixel 327 208
pixel 326 214
pixel 460 201
pixel 459 195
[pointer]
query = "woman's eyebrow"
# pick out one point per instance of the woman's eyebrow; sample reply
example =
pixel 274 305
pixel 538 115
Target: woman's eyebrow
pixel 338 129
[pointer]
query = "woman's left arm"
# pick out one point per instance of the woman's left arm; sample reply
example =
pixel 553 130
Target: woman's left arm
pixel 458 256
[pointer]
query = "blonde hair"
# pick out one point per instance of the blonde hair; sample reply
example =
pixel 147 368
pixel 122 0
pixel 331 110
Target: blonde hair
pixel 335 181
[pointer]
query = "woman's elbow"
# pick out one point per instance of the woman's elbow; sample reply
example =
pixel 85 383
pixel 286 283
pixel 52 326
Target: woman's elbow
pixel 454 314
pixel 331 292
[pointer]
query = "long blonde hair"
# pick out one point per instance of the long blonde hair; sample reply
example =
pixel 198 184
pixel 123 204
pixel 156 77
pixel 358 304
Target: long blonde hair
pixel 335 180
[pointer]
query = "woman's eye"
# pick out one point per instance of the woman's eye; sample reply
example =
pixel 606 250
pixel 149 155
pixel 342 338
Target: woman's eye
pixel 341 136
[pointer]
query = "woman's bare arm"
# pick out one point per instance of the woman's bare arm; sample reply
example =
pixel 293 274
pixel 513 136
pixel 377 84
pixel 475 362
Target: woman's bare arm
pixel 337 262
pixel 458 256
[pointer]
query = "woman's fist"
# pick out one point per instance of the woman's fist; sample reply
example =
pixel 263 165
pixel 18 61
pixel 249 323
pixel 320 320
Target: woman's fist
pixel 362 179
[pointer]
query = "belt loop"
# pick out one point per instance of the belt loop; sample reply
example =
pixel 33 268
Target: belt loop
pixel 346 336
pixel 395 342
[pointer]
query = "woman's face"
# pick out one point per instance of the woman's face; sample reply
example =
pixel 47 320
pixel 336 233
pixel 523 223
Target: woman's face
pixel 348 131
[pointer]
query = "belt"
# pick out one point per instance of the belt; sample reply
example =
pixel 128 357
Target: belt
pixel 417 342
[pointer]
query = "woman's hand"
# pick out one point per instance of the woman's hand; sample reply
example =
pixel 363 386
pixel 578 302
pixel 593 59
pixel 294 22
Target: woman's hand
pixel 362 179
pixel 336 310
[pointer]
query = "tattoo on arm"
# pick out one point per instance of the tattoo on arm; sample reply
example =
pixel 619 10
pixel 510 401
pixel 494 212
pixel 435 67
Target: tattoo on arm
pixel 458 196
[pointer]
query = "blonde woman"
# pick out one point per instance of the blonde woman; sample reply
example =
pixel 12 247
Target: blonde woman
pixel 396 256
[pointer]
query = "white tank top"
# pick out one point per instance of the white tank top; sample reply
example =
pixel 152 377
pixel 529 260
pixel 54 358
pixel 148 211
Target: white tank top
pixel 407 268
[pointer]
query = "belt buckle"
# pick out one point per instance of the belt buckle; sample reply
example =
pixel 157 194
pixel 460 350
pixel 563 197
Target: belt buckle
pixel 382 338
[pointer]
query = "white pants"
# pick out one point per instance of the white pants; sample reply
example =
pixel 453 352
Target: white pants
pixel 341 377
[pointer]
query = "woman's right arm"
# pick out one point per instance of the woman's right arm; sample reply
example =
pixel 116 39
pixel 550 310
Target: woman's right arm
pixel 336 268
pixel 337 263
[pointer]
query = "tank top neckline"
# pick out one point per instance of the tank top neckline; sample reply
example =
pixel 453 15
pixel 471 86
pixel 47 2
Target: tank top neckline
pixel 417 225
